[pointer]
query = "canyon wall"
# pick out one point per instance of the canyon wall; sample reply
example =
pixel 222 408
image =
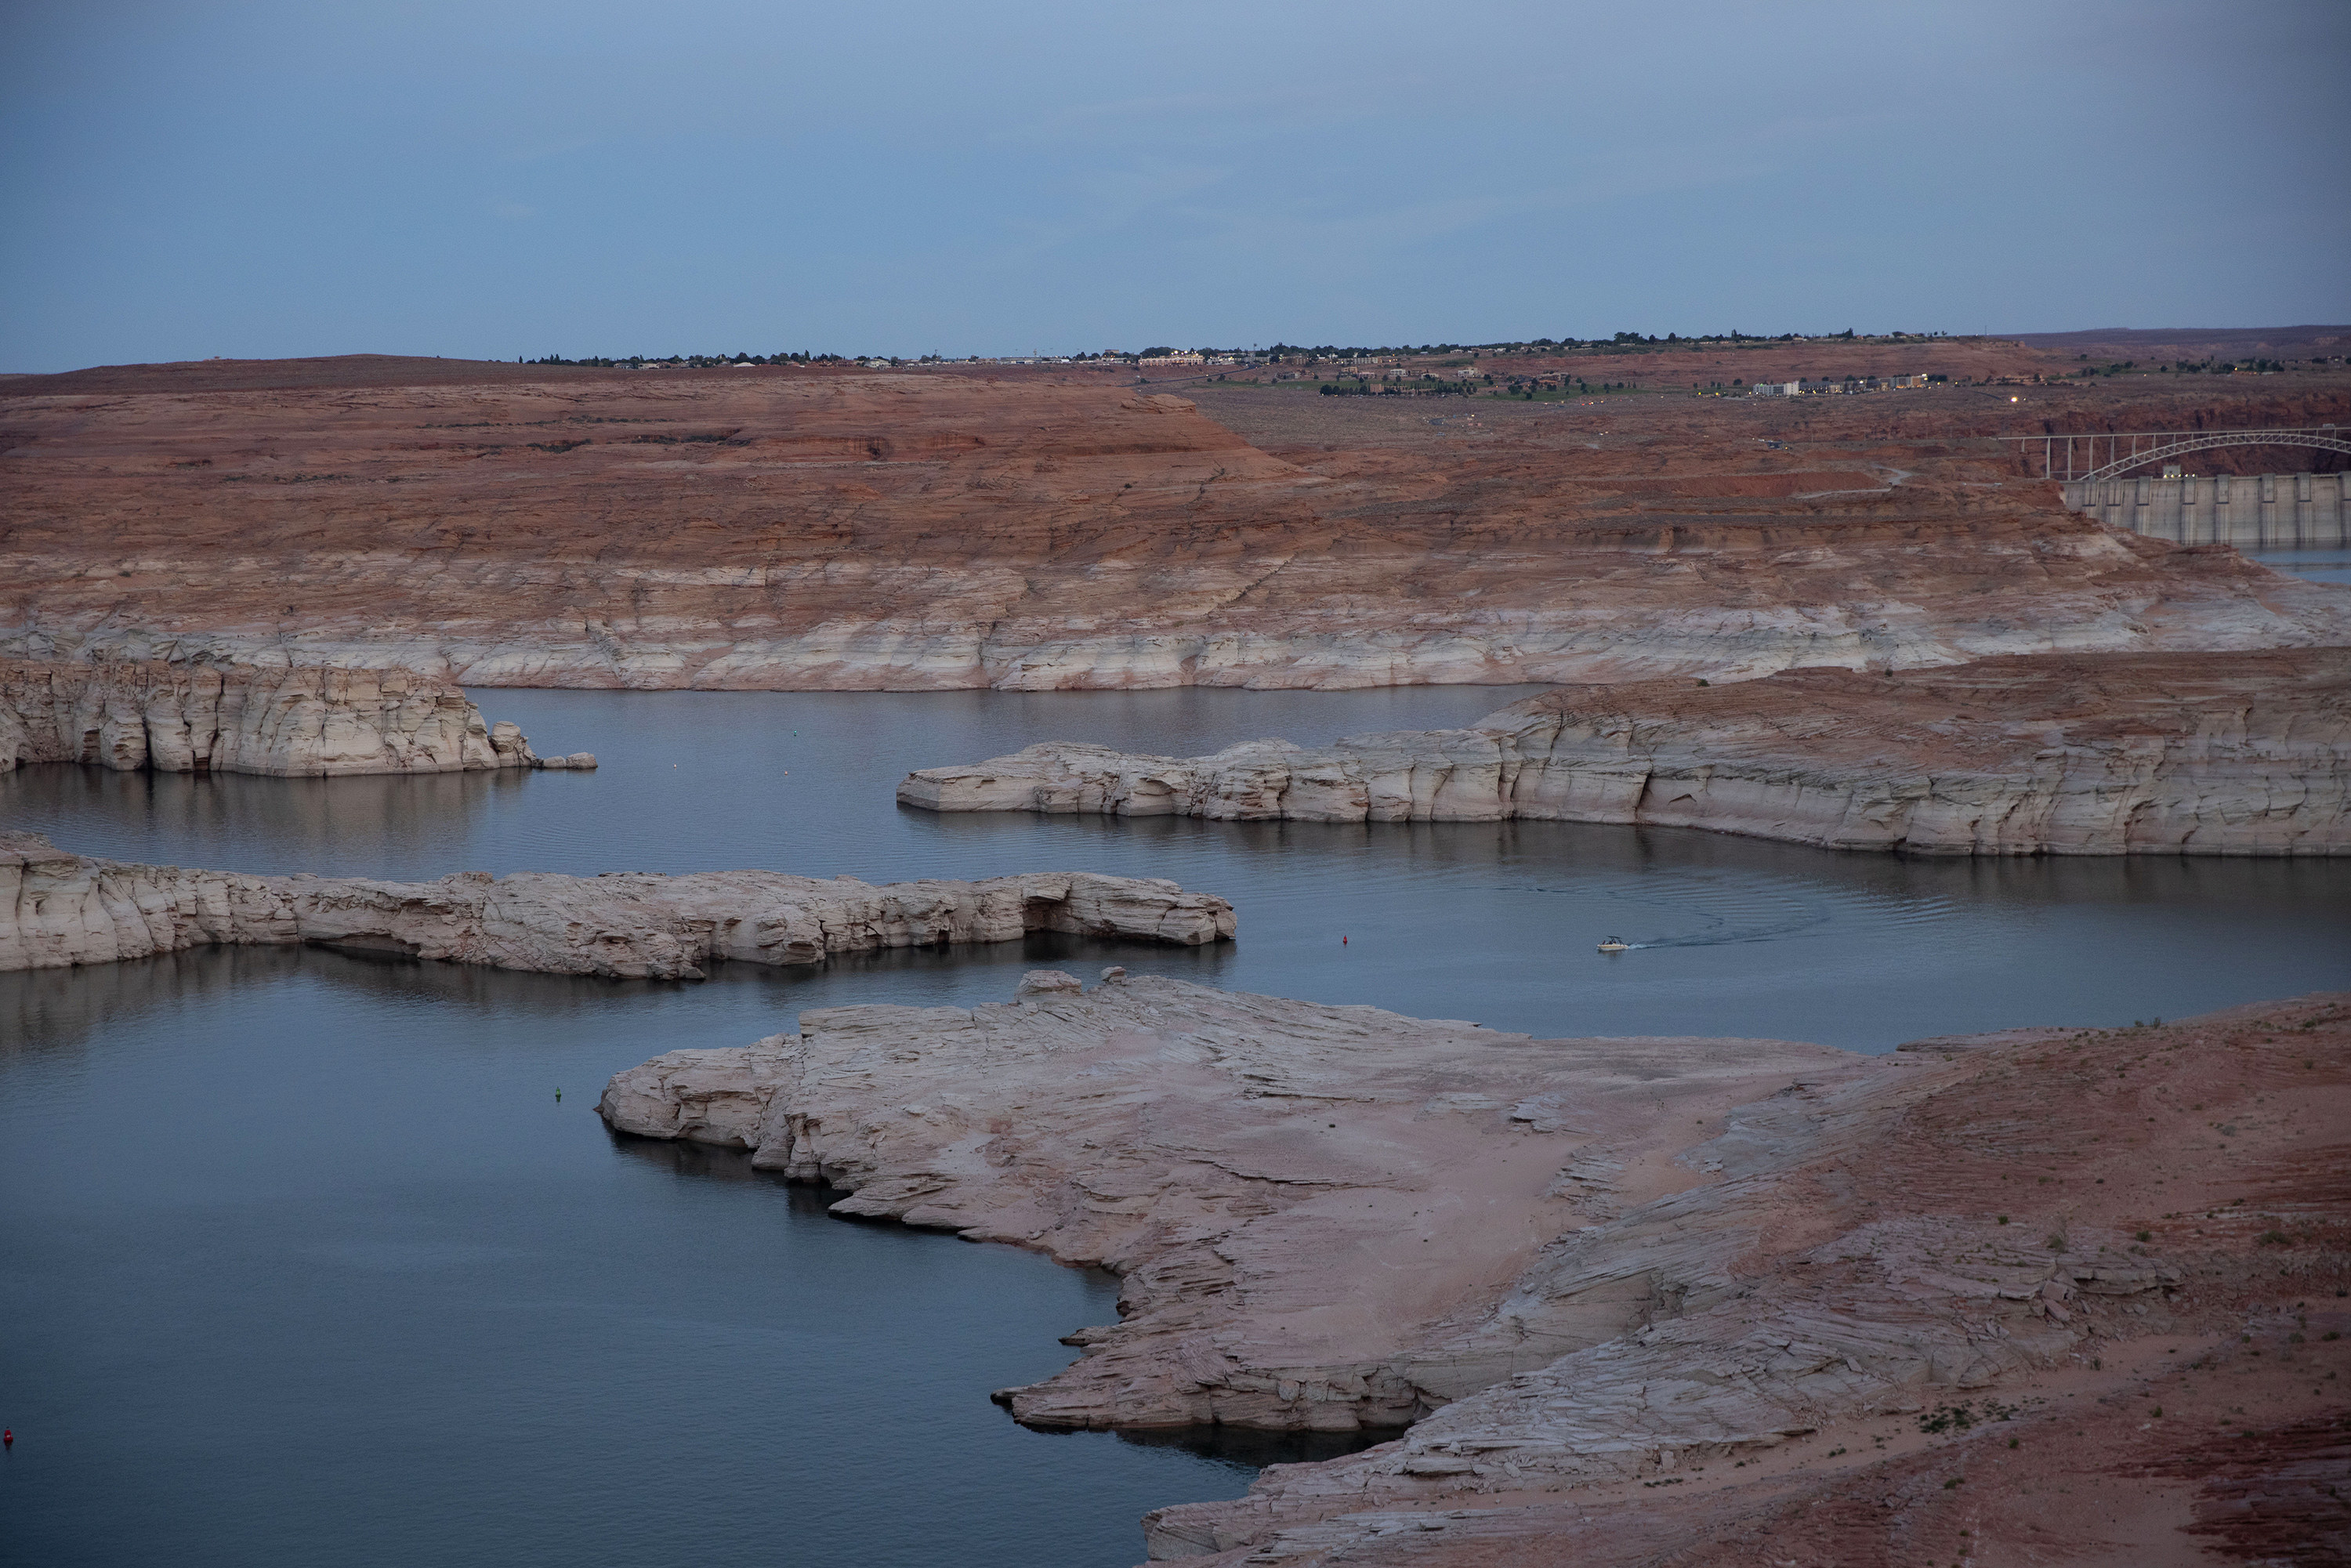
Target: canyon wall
pixel 779 529
pixel 2243 753
pixel 58 908
pixel 297 722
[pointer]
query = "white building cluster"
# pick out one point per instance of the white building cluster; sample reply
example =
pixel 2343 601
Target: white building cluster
pixel 1835 385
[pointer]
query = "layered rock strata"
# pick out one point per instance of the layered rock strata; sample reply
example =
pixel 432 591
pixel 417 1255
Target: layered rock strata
pixel 790 531
pixel 1304 1201
pixel 2243 753
pixel 58 908
pixel 301 722
pixel 1816 1295
pixel 2047 1242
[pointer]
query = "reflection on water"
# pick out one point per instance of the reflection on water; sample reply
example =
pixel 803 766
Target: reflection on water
pixel 51 1010
pixel 690 781
pixel 245 823
pixel 1491 921
pixel 1239 1445
pixel 306 1262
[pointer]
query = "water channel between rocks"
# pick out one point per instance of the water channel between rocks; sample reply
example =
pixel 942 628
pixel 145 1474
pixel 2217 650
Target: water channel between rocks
pixel 304 1262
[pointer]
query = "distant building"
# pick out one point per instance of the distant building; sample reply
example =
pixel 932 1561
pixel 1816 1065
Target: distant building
pixel 1775 389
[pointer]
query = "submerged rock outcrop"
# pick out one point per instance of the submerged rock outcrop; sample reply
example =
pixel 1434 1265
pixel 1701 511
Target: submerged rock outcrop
pixel 2219 754
pixel 302 722
pixel 58 908
pixel 1805 1288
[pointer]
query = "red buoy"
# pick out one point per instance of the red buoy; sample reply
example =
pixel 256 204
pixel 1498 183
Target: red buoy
pixel 8 1439
pixel 1342 941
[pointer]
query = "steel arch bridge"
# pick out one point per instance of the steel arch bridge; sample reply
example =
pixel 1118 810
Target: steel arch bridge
pixel 2123 451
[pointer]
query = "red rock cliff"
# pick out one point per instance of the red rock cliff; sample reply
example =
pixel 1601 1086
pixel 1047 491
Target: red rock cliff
pixel 788 531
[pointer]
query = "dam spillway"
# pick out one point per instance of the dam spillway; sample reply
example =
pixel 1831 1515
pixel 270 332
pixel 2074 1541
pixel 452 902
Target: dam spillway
pixel 2251 511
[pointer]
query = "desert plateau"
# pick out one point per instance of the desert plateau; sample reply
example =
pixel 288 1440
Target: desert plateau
pixel 782 527
pixel 1252 787
pixel 1665 1296
pixel 1683 1295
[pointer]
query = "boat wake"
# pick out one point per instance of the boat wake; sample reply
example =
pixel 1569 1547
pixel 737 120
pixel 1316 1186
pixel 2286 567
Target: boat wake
pixel 1744 914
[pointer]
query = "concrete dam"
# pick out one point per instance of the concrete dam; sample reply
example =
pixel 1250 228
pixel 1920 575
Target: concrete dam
pixel 2251 511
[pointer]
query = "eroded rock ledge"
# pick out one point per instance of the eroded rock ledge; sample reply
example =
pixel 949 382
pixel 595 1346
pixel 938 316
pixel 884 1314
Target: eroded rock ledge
pixel 2221 754
pixel 303 722
pixel 58 908
pixel 1304 1200
pixel 1588 1268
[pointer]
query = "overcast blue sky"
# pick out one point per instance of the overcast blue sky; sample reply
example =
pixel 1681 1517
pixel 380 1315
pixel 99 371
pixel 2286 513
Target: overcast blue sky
pixel 486 179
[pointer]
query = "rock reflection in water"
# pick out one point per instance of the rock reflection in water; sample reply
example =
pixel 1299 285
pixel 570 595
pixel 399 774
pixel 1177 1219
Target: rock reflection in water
pixel 374 824
pixel 1241 1446
pixel 307 1239
pixel 53 1010
pixel 1491 921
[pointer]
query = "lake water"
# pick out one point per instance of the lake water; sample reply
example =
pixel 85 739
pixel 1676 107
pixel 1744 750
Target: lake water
pixel 302 1261
pixel 2329 565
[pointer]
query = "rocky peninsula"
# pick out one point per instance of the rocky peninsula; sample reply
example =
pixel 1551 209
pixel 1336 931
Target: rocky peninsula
pixel 1302 1200
pixel 2212 754
pixel 58 908
pixel 292 721
pixel 776 528
pixel 1844 1306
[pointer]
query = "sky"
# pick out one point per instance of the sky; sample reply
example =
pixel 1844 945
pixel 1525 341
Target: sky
pixel 488 180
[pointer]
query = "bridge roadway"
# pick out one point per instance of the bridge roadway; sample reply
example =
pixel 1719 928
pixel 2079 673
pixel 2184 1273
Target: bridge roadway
pixel 2115 454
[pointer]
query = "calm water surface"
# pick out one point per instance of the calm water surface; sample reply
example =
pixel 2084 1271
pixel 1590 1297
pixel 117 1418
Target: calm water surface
pixel 2331 566
pixel 301 1259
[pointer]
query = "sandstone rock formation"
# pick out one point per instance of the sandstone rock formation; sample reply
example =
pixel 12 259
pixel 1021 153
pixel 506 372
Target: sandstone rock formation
pixel 2243 753
pixel 776 529
pixel 1303 1200
pixel 58 908
pixel 1926 1259
pixel 298 722
pixel 1806 1289
pixel 1048 983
